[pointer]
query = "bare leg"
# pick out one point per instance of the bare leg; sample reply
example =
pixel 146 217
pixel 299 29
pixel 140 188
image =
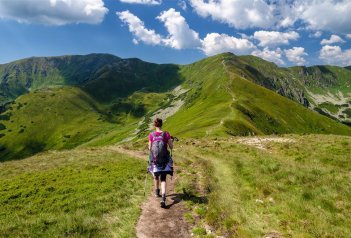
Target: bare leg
pixel 157 183
pixel 163 187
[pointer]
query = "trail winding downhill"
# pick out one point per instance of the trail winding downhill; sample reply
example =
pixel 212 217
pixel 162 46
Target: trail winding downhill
pixel 157 222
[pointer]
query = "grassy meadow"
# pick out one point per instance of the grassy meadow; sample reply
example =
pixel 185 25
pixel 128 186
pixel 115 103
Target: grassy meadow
pixel 296 188
pixel 288 186
pixel 92 192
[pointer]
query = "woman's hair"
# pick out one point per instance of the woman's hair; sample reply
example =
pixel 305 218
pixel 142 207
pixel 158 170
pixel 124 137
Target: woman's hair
pixel 158 122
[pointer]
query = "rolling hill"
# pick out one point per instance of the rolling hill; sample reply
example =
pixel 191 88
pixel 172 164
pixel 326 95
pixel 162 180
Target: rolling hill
pixel 98 99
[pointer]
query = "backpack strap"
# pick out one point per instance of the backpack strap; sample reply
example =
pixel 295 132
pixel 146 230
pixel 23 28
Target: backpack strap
pixel 152 141
pixel 154 135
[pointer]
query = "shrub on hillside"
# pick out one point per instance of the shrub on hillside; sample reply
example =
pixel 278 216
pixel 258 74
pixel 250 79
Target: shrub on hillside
pixel 5 117
pixel 2 127
pixel 347 112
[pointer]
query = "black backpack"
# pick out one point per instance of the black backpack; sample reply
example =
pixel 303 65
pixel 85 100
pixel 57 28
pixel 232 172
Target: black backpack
pixel 159 152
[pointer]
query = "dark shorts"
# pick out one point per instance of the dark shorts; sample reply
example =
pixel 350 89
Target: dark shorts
pixel 161 175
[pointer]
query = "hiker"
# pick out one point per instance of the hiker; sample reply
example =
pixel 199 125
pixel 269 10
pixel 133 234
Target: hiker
pixel 160 162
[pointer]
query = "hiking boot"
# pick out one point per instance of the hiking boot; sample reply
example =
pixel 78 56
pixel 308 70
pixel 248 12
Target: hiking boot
pixel 163 201
pixel 157 193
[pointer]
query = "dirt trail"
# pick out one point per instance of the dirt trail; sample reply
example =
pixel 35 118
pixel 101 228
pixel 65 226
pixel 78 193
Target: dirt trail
pixel 157 222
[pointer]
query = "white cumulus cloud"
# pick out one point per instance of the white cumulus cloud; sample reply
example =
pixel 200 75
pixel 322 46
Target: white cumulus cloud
pixel 335 55
pixel 324 15
pixel 316 34
pixel 180 36
pixel 274 38
pixel 333 39
pixel 270 55
pixel 182 4
pixel 137 28
pixel 296 55
pixel 240 14
pixel 215 43
pixel 54 12
pixel 285 13
pixel 328 15
pixel 348 36
pixel 146 2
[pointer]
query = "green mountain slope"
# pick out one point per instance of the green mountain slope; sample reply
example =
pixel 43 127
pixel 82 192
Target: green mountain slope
pixel 101 99
pixel 222 101
pixel 328 89
pixel 103 76
pixel 25 75
pixel 325 89
pixel 74 99
pixel 51 118
pixel 65 117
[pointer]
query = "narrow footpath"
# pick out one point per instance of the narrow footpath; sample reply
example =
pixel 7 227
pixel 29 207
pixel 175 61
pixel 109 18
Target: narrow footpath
pixel 157 222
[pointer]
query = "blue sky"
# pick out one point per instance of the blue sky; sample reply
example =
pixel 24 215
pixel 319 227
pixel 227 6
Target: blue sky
pixel 287 32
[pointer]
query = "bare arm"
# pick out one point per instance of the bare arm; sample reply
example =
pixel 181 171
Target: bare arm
pixel 170 143
pixel 149 145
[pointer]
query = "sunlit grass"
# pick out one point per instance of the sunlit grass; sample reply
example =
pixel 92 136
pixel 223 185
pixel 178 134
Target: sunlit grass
pixel 299 188
pixel 75 193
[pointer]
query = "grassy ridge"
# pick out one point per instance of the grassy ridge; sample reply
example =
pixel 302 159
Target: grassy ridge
pixel 104 77
pixel 221 101
pixel 299 83
pixel 86 192
pixel 107 106
pixel 289 188
pixel 207 100
pixel 272 113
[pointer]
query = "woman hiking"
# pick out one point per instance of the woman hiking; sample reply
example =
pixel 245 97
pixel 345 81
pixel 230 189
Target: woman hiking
pixel 160 162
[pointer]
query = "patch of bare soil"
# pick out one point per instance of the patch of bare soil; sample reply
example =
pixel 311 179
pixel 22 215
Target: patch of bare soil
pixel 261 143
